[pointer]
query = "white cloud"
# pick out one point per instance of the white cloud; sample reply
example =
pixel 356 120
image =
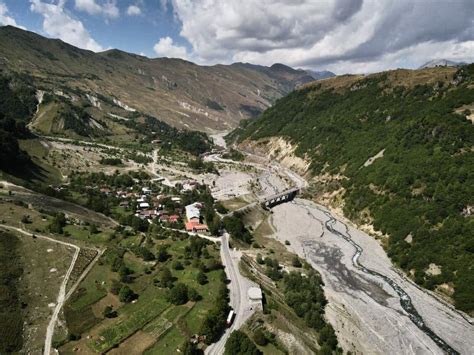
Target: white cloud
pixel 343 35
pixel 166 48
pixel 108 8
pixel 59 24
pixel 5 18
pixel 134 10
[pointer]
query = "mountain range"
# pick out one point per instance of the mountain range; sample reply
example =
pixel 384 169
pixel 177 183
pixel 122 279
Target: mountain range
pixel 115 85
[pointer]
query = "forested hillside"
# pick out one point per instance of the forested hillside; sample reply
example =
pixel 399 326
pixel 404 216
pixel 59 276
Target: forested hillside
pixel 17 105
pixel 418 188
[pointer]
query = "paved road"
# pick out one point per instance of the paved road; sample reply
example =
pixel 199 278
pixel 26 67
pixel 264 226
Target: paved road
pixel 238 288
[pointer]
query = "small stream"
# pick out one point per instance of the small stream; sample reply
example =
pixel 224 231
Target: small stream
pixel 405 299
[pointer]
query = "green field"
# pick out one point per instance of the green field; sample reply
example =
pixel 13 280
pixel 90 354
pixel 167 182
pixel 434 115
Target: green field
pixel 151 319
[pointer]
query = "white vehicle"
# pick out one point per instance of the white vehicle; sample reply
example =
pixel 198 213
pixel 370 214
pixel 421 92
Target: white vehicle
pixel 230 318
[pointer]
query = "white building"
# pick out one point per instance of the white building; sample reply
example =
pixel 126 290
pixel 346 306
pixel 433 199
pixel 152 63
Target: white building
pixel 144 205
pixel 255 294
pixel 193 211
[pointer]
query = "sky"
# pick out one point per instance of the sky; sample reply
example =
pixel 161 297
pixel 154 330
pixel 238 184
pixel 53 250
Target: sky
pixel 344 36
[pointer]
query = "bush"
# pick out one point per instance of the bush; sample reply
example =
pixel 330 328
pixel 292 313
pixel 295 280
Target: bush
pixel 178 294
pixel 201 278
pixel 193 295
pixel 240 344
pixel 296 262
pixel 109 312
pixel 126 294
pixel 177 265
pixel 259 337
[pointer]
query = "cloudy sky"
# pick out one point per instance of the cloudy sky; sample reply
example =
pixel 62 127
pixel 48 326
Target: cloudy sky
pixel 357 36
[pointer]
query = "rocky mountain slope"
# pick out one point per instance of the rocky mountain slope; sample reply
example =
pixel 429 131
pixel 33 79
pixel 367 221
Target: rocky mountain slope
pixel 115 83
pixel 441 63
pixel 394 150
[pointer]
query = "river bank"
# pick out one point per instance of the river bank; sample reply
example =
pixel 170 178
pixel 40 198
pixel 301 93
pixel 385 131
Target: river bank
pixel 373 307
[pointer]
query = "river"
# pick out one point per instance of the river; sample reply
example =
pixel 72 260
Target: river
pixel 373 307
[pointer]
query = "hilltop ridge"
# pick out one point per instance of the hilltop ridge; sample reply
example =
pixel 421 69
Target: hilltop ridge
pixel 181 93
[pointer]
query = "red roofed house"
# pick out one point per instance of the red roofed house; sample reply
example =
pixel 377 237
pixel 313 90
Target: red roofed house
pixel 174 218
pixel 195 226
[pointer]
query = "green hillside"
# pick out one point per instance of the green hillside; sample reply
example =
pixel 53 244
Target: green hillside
pixel 420 190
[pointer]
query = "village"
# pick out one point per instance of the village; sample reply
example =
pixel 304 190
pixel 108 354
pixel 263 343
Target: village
pixel 176 205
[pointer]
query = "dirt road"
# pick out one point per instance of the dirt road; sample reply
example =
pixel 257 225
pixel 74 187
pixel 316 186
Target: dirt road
pixel 62 289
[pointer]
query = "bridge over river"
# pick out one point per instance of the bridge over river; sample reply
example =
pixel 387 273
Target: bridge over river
pixel 281 197
pixel 268 202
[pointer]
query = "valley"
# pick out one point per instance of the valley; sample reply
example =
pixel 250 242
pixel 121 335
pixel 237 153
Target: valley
pixel 157 206
pixel 369 316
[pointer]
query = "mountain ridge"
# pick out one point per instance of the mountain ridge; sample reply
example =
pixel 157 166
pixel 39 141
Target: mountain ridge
pixel 181 93
pixel 441 63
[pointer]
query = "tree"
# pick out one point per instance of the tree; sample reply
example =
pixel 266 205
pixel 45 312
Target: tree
pixel 109 312
pixel 125 273
pixel 178 294
pixel 193 295
pixel 201 278
pixel 189 348
pixel 126 294
pixel 25 219
pixel 240 344
pixel 177 265
pixel 162 254
pixel 93 229
pixel 145 254
pixel 58 223
pixel 296 262
pixel 165 278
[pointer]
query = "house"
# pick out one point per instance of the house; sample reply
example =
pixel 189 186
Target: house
pixel 174 218
pixel 147 214
pixel 195 226
pixel 146 190
pixel 164 218
pixel 144 205
pixel 105 190
pixel 176 199
pixel 193 211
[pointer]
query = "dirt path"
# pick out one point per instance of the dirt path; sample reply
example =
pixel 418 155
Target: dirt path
pixel 62 289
